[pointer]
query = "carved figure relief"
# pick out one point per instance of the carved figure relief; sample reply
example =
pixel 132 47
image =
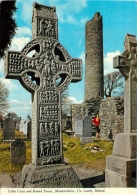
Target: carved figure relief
pixel 47 27
pixel 38 73
pixel 49 147
pixel 49 129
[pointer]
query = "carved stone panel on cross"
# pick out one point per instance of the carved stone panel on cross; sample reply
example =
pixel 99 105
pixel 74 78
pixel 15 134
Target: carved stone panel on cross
pixel 127 64
pixel 45 74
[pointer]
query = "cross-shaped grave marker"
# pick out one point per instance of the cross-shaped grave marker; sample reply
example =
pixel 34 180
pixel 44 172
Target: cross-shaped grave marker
pixel 127 64
pixel 121 165
pixel 39 75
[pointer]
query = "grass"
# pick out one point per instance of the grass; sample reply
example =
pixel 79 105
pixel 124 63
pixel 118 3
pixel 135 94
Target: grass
pixel 74 151
pixel 5 166
pixel 78 153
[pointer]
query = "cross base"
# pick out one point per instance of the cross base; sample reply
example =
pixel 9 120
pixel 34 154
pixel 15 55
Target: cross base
pixel 56 176
pixel 121 165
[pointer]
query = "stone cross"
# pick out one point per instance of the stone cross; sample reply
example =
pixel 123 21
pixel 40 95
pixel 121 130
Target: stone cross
pixel 127 64
pixel 45 74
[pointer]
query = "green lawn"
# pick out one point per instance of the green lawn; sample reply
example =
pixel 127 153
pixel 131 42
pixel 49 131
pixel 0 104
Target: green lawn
pixel 74 152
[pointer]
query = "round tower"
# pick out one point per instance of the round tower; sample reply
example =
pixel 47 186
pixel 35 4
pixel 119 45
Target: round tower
pixel 94 76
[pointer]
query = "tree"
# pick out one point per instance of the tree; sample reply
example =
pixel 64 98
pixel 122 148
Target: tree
pixel 113 84
pixel 4 93
pixel 7 25
pixel 65 102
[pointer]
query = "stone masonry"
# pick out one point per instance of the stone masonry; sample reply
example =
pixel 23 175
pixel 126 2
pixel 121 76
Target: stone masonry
pixel 111 119
pixel 111 113
pixel 94 70
pixel 94 58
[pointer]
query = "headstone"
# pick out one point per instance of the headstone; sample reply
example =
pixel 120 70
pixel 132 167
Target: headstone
pixel 78 126
pixel 87 131
pixel 29 130
pixel 110 135
pixel 38 74
pixel 87 127
pixel 121 165
pixel 18 152
pixel 9 129
pixel 68 123
pixel 23 126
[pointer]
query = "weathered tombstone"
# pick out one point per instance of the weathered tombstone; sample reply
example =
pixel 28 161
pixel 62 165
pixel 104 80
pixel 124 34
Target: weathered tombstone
pixel 23 126
pixel 9 129
pixel 18 152
pixel 29 130
pixel 87 131
pixel 68 123
pixel 121 165
pixel 78 125
pixel 87 127
pixel 50 62
pixel 110 135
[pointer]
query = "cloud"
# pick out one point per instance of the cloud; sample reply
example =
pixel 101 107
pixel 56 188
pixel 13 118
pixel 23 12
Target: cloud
pixel 23 31
pixel 20 107
pixel 108 61
pixel 25 10
pixel 73 100
pixel 9 84
pixel 71 19
pixel 64 9
pixel 18 43
pixel 84 20
pixel 82 56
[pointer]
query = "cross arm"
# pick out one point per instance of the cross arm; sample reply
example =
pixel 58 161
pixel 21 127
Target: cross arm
pixel 16 67
pixel 122 63
pixel 72 68
pixel 76 70
pixel 12 65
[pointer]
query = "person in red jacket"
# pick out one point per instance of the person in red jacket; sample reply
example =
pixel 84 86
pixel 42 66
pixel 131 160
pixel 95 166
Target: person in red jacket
pixel 96 123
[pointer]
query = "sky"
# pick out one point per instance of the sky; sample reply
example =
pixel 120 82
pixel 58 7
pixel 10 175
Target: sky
pixel 119 18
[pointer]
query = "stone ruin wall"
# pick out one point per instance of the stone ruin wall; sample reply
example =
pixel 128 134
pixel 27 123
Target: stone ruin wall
pixel 90 107
pixel 111 113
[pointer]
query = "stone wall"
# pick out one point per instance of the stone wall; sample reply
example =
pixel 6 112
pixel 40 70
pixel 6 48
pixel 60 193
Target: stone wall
pixel 111 114
pixel 88 108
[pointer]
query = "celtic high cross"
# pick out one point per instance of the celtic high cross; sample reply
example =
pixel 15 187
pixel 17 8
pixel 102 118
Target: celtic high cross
pixel 39 75
pixel 127 64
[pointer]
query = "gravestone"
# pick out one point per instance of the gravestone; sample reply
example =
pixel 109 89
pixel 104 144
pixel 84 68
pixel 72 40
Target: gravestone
pixel 87 131
pixel 87 127
pixel 9 129
pixel 78 126
pixel 121 165
pixel 23 126
pixel 18 152
pixel 29 130
pixel 39 75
